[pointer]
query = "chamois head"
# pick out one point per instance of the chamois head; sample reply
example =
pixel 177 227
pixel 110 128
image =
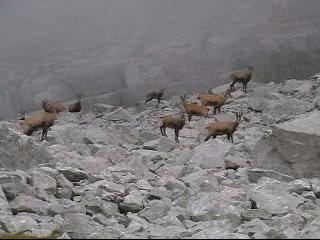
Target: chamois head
pixel 162 90
pixel 23 114
pixel 250 68
pixel 183 98
pixel 78 96
pixel 238 117
pixel 210 91
pixel 44 102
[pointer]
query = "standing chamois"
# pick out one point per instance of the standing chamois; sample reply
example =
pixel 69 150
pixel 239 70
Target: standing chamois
pixel 42 120
pixel 215 100
pixel 243 76
pixel 175 123
pixel 52 107
pixel 223 128
pixel 154 95
pixel 75 107
pixel 193 108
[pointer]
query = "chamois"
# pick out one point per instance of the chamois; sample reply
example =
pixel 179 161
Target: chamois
pixel 52 107
pixel 175 123
pixel 42 120
pixel 154 95
pixel 193 108
pixel 214 100
pixel 223 128
pixel 243 76
pixel 75 107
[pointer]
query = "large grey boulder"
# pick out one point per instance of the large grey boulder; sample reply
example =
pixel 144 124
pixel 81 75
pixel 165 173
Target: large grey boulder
pixel 285 107
pixel 19 151
pixel 274 196
pixel 102 108
pixel 134 202
pixel 155 209
pixel 211 153
pixel 119 114
pixel 162 145
pixel 73 174
pixel 28 204
pixel 292 148
pixel 44 182
pixel 254 175
pixel 297 88
pixel 4 205
pixel 79 225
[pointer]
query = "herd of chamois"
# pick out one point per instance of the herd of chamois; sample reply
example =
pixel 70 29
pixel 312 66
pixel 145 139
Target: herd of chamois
pixel 45 119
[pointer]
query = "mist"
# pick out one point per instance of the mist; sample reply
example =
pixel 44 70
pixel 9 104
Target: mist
pixel 121 49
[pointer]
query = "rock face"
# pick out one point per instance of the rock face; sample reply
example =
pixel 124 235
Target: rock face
pixel 109 173
pixel 292 147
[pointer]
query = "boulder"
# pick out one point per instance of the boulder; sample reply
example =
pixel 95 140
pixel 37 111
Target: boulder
pixel 80 226
pixel 211 153
pixel 255 174
pixel 274 196
pixel 19 151
pixel 134 202
pixel 299 157
pixel 119 114
pixel 98 108
pixel 44 182
pixel 299 186
pixel 155 209
pixel 161 145
pixel 28 204
pixel 73 174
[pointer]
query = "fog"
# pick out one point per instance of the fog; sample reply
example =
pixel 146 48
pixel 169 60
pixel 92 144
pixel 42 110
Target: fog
pixel 54 49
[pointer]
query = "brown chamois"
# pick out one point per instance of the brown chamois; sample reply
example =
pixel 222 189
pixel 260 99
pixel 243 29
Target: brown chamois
pixel 154 95
pixel 42 120
pixel 243 76
pixel 175 123
pixel 193 108
pixel 75 107
pixel 52 107
pixel 223 128
pixel 217 101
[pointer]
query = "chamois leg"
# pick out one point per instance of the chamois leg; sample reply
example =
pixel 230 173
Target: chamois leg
pixel 176 133
pixel 214 110
pixel 232 86
pixel 148 100
pixel 228 136
pixel 245 87
pixel 208 137
pixel 44 131
pixel 219 108
pixel 165 132
pixel 161 130
pixel 231 138
pixel 189 117
pixel 159 100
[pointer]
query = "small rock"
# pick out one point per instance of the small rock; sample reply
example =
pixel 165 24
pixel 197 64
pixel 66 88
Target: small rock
pixel 133 202
pixel 255 174
pixel 251 214
pixel 73 174
pixel 299 186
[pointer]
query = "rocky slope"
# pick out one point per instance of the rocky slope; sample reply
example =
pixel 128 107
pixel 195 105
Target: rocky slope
pixel 108 173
